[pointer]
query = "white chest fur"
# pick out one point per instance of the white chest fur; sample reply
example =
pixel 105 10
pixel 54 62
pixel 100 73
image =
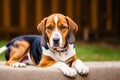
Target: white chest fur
pixel 60 56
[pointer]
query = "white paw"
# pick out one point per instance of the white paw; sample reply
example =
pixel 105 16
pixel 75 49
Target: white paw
pixel 18 65
pixel 65 69
pixel 80 67
pixel 69 72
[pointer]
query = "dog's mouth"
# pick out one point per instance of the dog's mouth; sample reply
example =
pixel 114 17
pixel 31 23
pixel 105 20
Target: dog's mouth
pixel 57 48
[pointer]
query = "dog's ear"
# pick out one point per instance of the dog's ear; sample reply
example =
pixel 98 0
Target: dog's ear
pixel 73 28
pixel 41 26
pixel 41 30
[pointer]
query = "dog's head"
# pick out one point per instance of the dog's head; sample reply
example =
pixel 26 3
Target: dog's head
pixel 57 31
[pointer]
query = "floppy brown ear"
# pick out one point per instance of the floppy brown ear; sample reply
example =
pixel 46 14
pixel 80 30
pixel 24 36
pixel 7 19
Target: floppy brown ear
pixel 41 30
pixel 73 28
pixel 41 25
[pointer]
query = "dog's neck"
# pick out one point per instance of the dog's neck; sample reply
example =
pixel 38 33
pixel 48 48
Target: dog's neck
pixel 59 49
pixel 61 54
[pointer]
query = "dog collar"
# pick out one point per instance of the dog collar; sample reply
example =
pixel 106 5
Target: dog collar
pixel 58 50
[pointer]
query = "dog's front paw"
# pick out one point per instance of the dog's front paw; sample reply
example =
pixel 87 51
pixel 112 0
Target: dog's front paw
pixel 80 67
pixel 18 65
pixel 83 69
pixel 65 69
pixel 69 72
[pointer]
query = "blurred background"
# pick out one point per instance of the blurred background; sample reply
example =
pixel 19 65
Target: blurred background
pixel 98 20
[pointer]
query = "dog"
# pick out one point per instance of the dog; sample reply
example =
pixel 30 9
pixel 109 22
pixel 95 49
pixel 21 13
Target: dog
pixel 53 49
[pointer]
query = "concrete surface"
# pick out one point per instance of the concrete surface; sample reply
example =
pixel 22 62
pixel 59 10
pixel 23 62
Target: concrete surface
pixel 98 71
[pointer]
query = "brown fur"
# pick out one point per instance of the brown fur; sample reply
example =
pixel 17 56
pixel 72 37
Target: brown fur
pixel 18 52
pixel 62 23
pixel 46 62
pixel 71 60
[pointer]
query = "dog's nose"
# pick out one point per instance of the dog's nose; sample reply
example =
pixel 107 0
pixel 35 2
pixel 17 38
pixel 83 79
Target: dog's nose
pixel 56 41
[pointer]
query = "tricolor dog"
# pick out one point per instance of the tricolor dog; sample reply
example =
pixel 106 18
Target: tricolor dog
pixel 53 49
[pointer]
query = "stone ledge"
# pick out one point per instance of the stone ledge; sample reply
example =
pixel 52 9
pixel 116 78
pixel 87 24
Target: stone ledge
pixel 98 71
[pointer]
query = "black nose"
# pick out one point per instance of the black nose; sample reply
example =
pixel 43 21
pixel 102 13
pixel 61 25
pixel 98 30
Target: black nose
pixel 56 42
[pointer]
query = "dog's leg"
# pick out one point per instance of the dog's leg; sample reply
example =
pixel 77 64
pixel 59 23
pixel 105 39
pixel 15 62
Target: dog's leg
pixel 46 64
pixel 46 61
pixel 68 71
pixel 18 50
pixel 80 67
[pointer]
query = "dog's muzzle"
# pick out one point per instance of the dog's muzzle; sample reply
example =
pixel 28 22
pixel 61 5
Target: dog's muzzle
pixel 56 42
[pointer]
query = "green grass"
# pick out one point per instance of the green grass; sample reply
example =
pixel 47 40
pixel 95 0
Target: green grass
pixel 97 53
pixel 89 52
pixel 2 56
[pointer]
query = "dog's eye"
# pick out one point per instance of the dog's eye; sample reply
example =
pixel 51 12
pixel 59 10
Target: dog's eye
pixel 62 28
pixel 49 28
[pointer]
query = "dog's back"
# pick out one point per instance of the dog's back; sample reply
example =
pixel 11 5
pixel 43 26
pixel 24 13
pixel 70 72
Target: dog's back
pixel 35 46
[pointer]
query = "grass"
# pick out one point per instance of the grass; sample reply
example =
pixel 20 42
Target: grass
pixel 97 53
pixel 89 52
pixel 2 56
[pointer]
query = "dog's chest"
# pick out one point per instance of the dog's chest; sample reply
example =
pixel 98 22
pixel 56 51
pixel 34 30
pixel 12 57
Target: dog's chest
pixel 60 56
